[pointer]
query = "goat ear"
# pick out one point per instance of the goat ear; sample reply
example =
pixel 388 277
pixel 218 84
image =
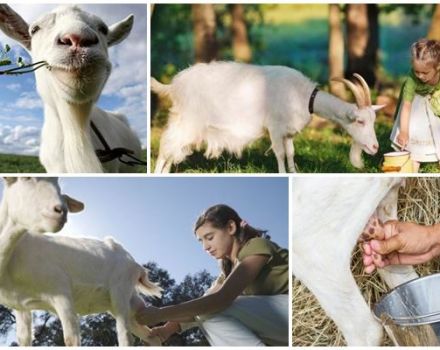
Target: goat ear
pixel 73 205
pixel 14 26
pixel 119 31
pixel 9 180
pixel 377 107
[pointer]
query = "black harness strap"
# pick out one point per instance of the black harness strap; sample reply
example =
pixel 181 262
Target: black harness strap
pixel 108 154
pixel 312 99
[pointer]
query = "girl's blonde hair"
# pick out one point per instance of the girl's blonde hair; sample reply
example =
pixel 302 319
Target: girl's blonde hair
pixel 426 50
pixel 219 216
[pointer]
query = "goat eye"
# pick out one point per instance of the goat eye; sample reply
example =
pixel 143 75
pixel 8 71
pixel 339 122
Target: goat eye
pixel 103 29
pixel 34 29
pixel 360 122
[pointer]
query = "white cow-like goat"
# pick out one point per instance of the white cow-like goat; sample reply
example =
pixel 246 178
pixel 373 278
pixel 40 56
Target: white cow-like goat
pixel 64 275
pixel 328 216
pixel 227 105
pixel 74 44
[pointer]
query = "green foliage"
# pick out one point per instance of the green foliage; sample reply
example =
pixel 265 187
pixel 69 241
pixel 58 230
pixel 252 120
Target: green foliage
pixel 172 41
pixel 417 13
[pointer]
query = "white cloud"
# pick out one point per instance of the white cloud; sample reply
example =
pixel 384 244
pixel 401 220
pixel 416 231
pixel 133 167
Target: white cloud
pixel 19 139
pixel 13 87
pixel 28 100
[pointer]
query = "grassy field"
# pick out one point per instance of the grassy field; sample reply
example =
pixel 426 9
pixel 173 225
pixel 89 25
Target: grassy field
pixel 11 163
pixel 321 148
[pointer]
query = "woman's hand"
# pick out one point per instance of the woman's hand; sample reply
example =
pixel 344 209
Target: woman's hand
pixel 148 316
pixel 165 331
pixel 403 243
pixel 402 139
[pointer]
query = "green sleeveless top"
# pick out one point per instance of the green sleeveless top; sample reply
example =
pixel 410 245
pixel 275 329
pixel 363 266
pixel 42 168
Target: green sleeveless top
pixel 413 86
pixel 274 277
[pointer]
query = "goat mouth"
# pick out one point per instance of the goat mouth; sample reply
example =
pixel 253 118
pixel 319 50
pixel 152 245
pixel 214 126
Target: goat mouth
pixel 57 218
pixel 369 150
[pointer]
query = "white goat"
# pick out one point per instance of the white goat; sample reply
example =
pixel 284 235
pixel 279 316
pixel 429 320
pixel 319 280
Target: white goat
pixel 328 215
pixel 61 274
pixel 74 43
pixel 227 105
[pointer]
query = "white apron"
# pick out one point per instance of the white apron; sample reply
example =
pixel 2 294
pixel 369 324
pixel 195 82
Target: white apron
pixel 424 131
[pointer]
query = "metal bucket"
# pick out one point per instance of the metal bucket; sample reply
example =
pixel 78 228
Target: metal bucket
pixel 410 312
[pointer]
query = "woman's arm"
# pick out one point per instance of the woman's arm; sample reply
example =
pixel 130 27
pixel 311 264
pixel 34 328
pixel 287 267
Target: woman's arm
pixel 241 276
pixel 403 136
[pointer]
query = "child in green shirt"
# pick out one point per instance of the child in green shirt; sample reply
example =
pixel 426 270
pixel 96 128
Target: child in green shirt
pixel 417 126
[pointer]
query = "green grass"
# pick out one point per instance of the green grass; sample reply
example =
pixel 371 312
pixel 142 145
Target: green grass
pixel 322 148
pixel 11 163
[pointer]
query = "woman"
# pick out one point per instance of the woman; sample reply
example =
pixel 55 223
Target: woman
pixel 248 303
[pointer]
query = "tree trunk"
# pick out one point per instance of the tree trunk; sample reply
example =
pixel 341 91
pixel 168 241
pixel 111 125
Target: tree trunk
pixel 362 40
pixel 205 42
pixel 240 42
pixel 336 51
pixel 151 10
pixel 434 29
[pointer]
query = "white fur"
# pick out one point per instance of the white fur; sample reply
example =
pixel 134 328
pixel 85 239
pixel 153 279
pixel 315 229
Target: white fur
pixel 227 105
pixel 72 86
pixel 65 275
pixel 328 215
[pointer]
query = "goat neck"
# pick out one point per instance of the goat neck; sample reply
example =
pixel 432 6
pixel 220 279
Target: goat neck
pixel 333 108
pixel 10 234
pixel 66 144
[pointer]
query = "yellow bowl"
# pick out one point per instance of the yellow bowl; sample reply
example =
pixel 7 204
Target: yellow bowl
pixel 397 162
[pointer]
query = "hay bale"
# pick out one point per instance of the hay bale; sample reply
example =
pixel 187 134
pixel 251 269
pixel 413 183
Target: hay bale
pixel 419 202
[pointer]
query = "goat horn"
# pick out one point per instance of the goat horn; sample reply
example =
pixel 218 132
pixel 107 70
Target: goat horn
pixel 365 88
pixel 358 95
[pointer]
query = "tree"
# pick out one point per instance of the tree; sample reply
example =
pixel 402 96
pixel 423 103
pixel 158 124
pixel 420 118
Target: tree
pixel 434 29
pixel 336 50
pixel 362 40
pixel 240 42
pixel 204 30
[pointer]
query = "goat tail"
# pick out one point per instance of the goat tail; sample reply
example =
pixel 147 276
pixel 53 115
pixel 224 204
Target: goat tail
pixel 146 286
pixel 157 87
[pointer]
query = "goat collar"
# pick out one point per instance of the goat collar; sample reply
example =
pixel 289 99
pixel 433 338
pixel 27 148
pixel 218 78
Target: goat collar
pixel 108 154
pixel 312 99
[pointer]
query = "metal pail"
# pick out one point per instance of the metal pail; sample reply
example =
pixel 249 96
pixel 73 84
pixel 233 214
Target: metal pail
pixel 410 312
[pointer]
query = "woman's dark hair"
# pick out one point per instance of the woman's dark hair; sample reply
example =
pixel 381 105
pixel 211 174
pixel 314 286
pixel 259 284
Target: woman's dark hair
pixel 219 216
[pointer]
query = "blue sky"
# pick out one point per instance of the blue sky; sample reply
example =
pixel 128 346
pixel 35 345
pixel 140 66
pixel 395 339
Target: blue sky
pixel 153 217
pixel 21 113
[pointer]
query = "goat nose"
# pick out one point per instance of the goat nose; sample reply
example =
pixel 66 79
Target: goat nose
pixel 376 147
pixel 75 40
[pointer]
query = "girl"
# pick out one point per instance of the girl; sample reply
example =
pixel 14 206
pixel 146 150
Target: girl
pixel 417 126
pixel 248 303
